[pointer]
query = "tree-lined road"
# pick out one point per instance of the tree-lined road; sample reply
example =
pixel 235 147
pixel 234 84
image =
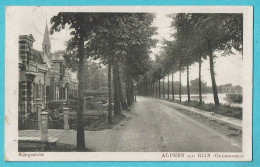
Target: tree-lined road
pixel 155 126
pixel 123 43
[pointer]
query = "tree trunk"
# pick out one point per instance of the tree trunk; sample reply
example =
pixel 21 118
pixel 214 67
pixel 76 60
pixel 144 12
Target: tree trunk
pixel 117 103
pixel 188 83
pixel 172 86
pixel 127 89
pixel 132 96
pixel 156 89
pixel 109 94
pixel 148 87
pixel 200 95
pixel 180 85
pixel 151 87
pixel 80 123
pixel 163 89
pixel 159 88
pixel 127 84
pixel 212 73
pixel 168 86
pixel 145 87
pixel 128 94
pixel 122 99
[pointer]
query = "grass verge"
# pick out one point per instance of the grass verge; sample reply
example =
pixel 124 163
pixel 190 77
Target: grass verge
pixel 222 109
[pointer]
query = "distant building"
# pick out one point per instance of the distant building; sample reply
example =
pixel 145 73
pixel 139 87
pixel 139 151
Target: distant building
pixel 42 74
pixel 62 83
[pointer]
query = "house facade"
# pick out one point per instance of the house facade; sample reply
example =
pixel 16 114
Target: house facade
pixel 42 75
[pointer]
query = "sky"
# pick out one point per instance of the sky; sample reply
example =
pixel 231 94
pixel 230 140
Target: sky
pixel 32 20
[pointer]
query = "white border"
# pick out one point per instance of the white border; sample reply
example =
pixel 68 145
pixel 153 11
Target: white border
pixel 11 89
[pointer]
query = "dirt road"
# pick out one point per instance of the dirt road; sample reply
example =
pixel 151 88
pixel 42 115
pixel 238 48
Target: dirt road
pixel 152 126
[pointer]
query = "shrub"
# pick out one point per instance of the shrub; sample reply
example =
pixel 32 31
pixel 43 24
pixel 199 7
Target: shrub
pixel 73 104
pixel 55 105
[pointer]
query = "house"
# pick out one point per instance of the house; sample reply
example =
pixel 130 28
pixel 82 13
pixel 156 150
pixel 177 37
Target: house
pixel 32 74
pixel 62 83
pixel 42 75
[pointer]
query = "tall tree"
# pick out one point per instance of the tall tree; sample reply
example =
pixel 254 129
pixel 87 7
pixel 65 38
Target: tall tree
pixel 117 92
pixel 180 83
pixel 184 36
pixel 171 60
pixel 81 25
pixel 156 90
pixel 128 37
pixel 218 32
pixel 198 35
pixel 200 93
pixel 172 86
pixel 163 89
pixel 188 84
pixel 109 94
pixel 168 86
pixel 159 82
pixel 121 92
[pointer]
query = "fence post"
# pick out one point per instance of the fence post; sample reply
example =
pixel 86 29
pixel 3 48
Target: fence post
pixel 66 118
pixel 44 126
pixel 39 105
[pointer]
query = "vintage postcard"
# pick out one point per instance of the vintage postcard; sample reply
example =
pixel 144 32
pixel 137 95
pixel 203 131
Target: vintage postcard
pixel 128 83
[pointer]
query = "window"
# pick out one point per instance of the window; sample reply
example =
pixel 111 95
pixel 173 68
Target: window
pixel 57 93
pixel 56 66
pixel 40 91
pixel 66 93
pixel 36 91
pixel 47 93
pixel 20 93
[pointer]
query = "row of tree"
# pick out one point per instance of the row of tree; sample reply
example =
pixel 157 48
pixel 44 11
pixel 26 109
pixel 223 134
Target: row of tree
pixel 166 88
pixel 196 37
pixel 121 41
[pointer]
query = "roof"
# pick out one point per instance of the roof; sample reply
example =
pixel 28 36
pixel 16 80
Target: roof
pixel 47 60
pixel 56 57
pixel 37 57
pixel 46 37
pixel 26 37
pixel 32 38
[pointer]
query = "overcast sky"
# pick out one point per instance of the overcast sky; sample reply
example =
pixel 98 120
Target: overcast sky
pixel 32 20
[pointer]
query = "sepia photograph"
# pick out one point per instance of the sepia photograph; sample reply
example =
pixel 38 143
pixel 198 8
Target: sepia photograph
pixel 129 83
